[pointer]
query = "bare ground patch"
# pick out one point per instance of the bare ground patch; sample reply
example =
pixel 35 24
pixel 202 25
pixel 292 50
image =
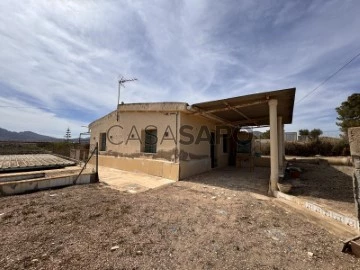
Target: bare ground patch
pixel 186 225
pixel 327 185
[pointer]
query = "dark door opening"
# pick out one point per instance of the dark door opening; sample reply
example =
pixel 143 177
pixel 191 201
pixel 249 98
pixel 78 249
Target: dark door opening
pixel 232 149
pixel 212 150
pixel 102 141
pixel 150 141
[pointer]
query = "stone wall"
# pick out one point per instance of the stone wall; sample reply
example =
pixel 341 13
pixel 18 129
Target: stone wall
pixel 354 140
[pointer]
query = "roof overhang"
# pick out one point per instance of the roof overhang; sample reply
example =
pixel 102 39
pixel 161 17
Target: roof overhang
pixel 249 110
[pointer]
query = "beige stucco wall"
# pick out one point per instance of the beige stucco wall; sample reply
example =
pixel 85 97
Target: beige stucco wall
pixel 195 158
pixel 126 136
pixel 126 152
pixel 162 168
pixel 125 142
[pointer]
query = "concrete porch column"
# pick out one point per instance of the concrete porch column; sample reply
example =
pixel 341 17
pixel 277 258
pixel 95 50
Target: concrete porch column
pixel 283 140
pixel 274 148
pixel 280 141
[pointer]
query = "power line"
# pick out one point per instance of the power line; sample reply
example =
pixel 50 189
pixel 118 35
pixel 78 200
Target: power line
pixel 328 78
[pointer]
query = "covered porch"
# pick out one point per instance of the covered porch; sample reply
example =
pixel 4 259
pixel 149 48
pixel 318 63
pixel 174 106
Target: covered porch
pixel 273 109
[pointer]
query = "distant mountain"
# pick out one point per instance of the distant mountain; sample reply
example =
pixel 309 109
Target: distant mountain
pixel 28 136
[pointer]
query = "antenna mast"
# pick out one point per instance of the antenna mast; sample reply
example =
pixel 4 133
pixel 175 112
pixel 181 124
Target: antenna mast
pixel 121 82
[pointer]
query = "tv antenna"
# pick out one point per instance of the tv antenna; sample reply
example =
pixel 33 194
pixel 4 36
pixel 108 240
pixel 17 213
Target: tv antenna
pixel 121 82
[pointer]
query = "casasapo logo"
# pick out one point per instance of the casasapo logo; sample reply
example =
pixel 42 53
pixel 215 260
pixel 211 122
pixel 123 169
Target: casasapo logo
pixel 118 135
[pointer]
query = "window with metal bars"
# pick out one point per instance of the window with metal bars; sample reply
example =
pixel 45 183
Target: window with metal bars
pixel 102 142
pixel 150 141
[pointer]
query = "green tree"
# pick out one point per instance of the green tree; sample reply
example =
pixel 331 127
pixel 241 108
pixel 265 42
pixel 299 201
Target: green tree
pixel 315 134
pixel 67 135
pixel 304 132
pixel 349 113
pixel 265 135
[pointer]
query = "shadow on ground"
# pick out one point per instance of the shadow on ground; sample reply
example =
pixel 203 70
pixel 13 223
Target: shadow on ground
pixel 233 178
pixel 326 184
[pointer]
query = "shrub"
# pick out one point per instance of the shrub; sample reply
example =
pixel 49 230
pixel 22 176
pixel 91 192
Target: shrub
pixel 341 148
pixel 318 147
pixel 322 146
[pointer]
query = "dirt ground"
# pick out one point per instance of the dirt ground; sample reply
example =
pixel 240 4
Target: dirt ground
pixel 186 225
pixel 326 185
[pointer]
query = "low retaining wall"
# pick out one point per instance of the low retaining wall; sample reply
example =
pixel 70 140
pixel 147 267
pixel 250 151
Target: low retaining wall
pixel 23 186
pixel 342 161
pixel 161 168
pixel 20 176
pixel 351 222
pixel 194 167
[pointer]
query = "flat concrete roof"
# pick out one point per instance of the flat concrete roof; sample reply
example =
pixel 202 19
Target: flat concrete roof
pixel 251 110
pixel 32 162
pixel 153 107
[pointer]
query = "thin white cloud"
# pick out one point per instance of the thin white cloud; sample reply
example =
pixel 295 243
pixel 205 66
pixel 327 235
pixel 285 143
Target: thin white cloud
pixel 19 117
pixel 69 54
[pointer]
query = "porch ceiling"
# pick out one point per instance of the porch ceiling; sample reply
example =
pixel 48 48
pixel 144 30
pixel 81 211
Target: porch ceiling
pixel 249 110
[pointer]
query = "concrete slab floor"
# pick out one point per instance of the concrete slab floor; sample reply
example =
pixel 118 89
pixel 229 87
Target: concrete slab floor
pixel 39 161
pixel 132 182
pixel 256 181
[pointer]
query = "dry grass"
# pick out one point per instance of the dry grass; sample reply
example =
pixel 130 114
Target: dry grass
pixel 186 225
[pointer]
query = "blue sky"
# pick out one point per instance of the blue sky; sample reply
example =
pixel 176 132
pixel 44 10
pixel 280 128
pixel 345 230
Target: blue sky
pixel 60 60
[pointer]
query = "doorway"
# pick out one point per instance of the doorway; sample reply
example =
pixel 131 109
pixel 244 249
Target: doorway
pixel 212 150
pixel 102 142
pixel 232 149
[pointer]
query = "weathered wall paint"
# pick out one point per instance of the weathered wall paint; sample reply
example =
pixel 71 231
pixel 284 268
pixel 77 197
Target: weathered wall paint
pixel 195 157
pixel 354 140
pixel 128 128
pixel 125 137
pixel 161 168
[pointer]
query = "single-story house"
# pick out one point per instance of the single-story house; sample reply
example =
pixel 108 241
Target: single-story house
pixel 176 140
